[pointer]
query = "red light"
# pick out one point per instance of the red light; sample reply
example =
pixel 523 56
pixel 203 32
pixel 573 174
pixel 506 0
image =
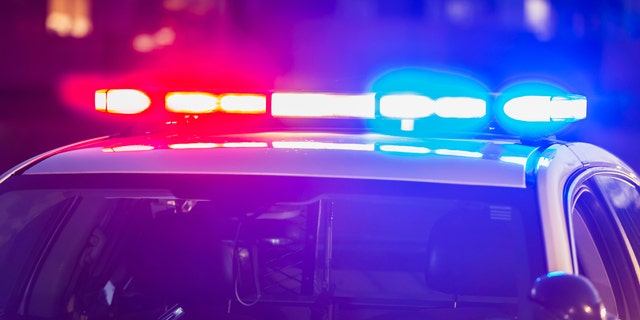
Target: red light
pixel 243 103
pixel 191 102
pixel 123 101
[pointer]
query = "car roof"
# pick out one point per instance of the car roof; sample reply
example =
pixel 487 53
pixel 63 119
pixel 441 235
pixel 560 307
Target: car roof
pixel 312 154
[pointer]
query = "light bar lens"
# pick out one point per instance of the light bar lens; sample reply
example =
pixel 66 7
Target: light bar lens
pixel 569 108
pixel 410 106
pixel 547 108
pixel 461 107
pixel 406 106
pixel 322 105
pixel 191 102
pixel 122 101
pixel 243 103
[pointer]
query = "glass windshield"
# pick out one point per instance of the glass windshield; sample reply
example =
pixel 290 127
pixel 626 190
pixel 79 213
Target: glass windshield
pixel 259 247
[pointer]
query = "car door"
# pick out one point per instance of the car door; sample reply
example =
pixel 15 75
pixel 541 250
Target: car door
pixel 604 222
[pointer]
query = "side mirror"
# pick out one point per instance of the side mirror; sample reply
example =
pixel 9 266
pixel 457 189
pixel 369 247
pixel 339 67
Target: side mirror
pixel 568 297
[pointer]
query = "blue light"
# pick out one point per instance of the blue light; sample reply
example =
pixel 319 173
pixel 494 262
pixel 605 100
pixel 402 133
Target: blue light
pixel 461 107
pixel 412 106
pixel 406 106
pixel 438 101
pixel 569 108
pixel 537 109
pixel 556 274
pixel 431 83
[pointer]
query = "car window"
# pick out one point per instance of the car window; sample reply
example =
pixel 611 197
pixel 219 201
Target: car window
pixel 623 199
pixel 274 247
pixel 24 217
pixel 591 262
pixel 602 251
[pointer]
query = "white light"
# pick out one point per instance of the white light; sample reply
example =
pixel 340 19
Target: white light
pixel 543 162
pixel 603 312
pixel 406 106
pixel 547 108
pixel 461 107
pixel 108 291
pixel 322 105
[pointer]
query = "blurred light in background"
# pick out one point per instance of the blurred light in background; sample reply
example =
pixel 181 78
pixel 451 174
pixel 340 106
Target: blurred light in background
pixel 69 18
pixel 537 18
pixel 460 11
pixel 149 42
pixel 198 7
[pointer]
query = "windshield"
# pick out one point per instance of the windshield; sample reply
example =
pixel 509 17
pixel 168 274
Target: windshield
pixel 260 247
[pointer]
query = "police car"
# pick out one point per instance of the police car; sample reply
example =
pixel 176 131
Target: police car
pixel 228 205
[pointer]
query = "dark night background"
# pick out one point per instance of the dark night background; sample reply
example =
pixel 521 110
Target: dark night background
pixel 55 53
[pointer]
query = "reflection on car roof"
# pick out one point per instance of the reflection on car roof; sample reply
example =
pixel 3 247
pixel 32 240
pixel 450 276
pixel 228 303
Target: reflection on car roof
pixel 368 156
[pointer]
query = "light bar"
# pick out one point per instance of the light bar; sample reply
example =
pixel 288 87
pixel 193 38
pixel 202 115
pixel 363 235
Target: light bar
pixel 322 105
pixel 529 110
pixel 568 108
pixel 122 101
pixel 191 102
pixel 204 102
